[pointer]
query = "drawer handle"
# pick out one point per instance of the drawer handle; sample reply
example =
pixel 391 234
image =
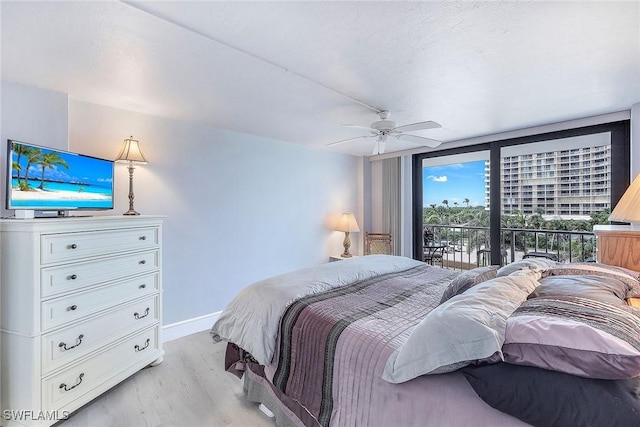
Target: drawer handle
pixel 78 342
pixel 64 386
pixel 72 277
pixel 138 317
pixel 142 238
pixel 73 307
pixel 146 344
pixel 142 286
pixel 72 246
pixel 144 261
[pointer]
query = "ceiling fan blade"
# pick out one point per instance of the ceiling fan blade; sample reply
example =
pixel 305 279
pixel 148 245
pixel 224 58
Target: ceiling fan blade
pixel 348 139
pixel 418 126
pixel 419 140
pixel 367 128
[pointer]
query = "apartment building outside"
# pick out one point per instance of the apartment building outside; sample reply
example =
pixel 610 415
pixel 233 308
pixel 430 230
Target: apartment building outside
pixel 567 184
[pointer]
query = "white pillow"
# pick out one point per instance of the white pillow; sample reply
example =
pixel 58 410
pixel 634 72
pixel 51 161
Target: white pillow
pixel 467 328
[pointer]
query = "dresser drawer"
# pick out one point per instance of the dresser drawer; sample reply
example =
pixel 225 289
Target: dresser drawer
pixel 72 383
pixel 58 311
pixel 70 277
pixel 73 246
pixel 66 345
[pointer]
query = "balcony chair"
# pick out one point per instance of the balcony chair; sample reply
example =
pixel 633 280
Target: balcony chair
pixel 433 253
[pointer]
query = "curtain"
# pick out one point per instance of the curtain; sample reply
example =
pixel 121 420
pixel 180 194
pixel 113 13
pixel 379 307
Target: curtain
pixel 391 191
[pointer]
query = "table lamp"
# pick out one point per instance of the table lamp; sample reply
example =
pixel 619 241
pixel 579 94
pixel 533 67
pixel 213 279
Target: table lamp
pixel 131 154
pixel 628 207
pixel 347 223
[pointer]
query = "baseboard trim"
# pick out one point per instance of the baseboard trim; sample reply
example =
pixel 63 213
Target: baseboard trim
pixel 189 326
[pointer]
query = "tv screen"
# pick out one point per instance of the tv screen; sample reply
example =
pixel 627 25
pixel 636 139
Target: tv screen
pixel 40 178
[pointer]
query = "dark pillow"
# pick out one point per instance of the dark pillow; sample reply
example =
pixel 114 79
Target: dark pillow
pixel 468 279
pixel 547 398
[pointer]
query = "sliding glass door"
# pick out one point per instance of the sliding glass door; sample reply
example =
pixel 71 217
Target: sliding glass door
pixel 501 201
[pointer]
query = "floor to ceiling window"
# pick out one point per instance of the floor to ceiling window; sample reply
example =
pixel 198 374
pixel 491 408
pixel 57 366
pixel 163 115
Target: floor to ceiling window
pixel 455 215
pixel 541 195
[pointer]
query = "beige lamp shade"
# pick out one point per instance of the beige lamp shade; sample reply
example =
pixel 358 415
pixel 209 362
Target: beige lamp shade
pixel 131 152
pixel 347 223
pixel 628 208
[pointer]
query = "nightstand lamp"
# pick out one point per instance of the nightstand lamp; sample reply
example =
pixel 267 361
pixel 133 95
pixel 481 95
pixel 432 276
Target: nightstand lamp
pixel 347 223
pixel 628 208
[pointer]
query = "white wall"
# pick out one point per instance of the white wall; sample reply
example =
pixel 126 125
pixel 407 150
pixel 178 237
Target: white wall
pixel 31 115
pixel 239 208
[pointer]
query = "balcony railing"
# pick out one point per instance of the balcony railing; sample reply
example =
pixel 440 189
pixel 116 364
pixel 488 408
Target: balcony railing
pixel 468 247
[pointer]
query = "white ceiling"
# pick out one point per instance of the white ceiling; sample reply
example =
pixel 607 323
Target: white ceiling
pixel 296 71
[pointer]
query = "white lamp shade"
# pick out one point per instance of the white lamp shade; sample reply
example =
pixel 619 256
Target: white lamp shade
pixel 347 223
pixel 131 152
pixel 628 208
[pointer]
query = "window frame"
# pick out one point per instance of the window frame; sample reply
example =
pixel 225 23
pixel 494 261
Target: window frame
pixel 620 157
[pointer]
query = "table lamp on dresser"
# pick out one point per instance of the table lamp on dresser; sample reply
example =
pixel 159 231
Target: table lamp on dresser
pixel 131 154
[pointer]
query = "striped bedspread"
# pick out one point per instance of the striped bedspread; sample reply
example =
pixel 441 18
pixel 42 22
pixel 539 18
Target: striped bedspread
pixel 333 346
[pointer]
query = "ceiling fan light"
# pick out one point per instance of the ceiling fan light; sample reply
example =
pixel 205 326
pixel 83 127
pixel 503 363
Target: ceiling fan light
pixel 383 125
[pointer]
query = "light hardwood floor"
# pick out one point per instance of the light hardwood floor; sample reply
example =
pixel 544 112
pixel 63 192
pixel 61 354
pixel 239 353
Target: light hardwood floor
pixel 189 388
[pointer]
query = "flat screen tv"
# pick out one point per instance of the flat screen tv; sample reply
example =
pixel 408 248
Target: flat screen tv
pixel 46 179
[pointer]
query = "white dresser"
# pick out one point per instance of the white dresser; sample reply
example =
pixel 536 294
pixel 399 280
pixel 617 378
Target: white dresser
pixel 80 310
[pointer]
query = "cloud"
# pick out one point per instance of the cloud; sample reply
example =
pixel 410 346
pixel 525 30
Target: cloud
pixel 442 178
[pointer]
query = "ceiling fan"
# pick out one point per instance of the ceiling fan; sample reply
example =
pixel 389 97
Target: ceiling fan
pixel 384 128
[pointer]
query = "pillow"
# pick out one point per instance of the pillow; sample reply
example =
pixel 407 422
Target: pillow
pixel 607 289
pixel 468 328
pixel 575 335
pixel 527 264
pixel 468 279
pixel 546 398
pixel 630 277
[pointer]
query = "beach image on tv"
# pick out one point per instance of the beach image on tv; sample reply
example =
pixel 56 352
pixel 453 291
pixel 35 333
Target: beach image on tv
pixel 43 178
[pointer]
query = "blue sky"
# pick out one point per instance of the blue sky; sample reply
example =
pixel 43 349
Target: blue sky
pixel 454 182
pixel 81 168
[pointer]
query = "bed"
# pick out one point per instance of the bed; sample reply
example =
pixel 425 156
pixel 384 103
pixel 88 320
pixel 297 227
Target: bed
pixel 389 341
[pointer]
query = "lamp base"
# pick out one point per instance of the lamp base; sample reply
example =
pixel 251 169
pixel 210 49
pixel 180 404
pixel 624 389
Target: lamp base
pixel 347 244
pixel 131 212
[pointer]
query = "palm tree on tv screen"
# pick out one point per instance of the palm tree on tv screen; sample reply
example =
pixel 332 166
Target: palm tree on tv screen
pixel 50 160
pixel 20 150
pixel 33 156
pixel 16 167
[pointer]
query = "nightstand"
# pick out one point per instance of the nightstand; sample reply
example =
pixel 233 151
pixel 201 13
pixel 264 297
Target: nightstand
pixel 333 258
